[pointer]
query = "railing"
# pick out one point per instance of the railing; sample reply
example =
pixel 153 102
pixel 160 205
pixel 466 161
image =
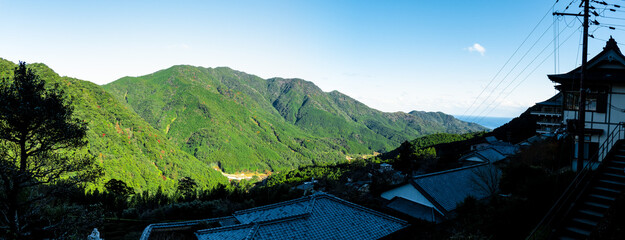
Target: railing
pixel 545 227
pixel 618 133
pixel 547 113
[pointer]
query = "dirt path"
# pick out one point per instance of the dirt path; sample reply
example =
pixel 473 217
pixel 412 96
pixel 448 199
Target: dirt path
pixel 242 175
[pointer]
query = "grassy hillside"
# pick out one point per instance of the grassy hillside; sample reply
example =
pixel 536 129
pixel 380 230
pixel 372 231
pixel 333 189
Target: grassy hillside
pixel 232 127
pixel 127 146
pixel 242 122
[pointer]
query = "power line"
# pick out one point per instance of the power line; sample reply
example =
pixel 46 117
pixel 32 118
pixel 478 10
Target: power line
pixel 486 100
pixel 526 77
pixel 488 107
pixel 617 18
pixel 510 58
pixel 510 71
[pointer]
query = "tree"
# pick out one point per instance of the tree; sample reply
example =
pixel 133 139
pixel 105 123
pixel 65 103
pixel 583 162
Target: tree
pixel 186 185
pixel 486 179
pixel 120 192
pixel 39 139
pixel 118 187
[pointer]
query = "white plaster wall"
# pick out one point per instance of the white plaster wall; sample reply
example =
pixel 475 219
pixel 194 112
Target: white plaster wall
pixel 618 102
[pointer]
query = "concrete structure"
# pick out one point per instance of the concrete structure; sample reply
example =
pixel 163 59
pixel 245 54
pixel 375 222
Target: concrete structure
pixel 549 115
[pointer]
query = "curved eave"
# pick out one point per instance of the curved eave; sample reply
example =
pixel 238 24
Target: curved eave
pixel 605 76
pixel 564 78
pixel 606 67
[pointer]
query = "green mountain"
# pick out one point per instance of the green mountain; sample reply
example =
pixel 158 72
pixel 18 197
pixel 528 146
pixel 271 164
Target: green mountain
pixel 241 122
pixel 127 146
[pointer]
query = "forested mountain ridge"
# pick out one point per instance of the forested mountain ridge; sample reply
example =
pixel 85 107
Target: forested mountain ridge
pixel 124 144
pixel 243 122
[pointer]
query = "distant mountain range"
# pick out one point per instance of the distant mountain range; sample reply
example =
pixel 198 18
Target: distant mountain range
pixel 185 121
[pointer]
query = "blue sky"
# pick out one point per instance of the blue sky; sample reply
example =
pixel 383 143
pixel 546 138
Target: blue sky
pixel 390 55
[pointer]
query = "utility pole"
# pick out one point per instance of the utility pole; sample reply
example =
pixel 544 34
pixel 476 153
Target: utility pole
pixel 582 91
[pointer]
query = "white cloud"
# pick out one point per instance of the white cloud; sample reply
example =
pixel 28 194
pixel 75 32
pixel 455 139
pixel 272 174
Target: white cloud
pixel 477 48
pixel 179 46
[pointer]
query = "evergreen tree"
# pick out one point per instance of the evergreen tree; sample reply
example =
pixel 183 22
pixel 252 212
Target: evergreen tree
pixel 38 139
pixel 186 185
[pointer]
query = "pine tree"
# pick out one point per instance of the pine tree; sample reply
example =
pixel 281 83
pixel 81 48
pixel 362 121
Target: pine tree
pixel 38 142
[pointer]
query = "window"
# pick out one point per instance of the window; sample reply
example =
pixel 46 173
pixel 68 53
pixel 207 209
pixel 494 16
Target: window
pixel 571 100
pixel 595 101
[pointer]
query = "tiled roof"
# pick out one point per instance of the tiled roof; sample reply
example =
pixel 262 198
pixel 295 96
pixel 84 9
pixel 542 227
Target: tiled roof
pixel 273 211
pixel 556 100
pixel 491 139
pixel 448 188
pixel 183 225
pixel 485 155
pixel 491 155
pixel 320 216
pixel 506 149
pixel 237 232
pixel 415 210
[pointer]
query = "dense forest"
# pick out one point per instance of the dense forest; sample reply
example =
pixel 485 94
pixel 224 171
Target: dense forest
pixel 64 185
pixel 242 122
pixel 188 121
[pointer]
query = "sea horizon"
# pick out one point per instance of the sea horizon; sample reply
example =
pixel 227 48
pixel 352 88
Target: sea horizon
pixel 488 122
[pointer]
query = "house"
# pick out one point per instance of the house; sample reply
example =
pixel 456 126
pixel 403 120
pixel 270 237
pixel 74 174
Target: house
pixel 307 186
pixel 504 148
pixel 491 150
pixel 549 115
pixel 434 197
pixel 318 216
pixel 605 101
pixel 486 155
pixel 385 167
pixel 487 142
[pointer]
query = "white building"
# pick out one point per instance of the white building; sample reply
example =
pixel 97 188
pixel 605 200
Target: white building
pixel 605 101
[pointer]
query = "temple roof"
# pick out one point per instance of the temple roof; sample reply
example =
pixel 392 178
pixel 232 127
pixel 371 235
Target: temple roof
pixel 556 100
pixel 606 67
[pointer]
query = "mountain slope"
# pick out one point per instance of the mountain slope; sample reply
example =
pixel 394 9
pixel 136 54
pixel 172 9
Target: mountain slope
pixel 242 122
pixel 126 146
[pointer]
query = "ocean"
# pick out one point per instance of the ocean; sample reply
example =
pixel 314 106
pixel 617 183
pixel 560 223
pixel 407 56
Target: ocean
pixel 489 122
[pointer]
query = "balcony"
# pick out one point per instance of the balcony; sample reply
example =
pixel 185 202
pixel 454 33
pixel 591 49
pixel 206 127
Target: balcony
pixel 550 114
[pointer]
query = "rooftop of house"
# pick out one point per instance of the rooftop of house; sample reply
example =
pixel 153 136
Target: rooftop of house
pixel 606 67
pixel 415 210
pixel 489 154
pixel 447 189
pixel 318 216
pixel 556 100
pixel 504 148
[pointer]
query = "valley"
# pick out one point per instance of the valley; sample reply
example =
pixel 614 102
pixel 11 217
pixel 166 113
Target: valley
pixel 185 121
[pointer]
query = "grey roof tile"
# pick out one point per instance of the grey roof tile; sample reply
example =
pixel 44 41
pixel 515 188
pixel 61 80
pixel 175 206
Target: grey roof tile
pixel 185 224
pixel 491 155
pixel 448 188
pixel 274 211
pixel 238 232
pixel 320 216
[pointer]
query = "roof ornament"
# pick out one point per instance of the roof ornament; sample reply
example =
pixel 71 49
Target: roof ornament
pixel 611 44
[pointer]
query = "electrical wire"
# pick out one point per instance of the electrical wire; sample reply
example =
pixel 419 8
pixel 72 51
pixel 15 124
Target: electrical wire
pixel 488 107
pixel 509 72
pixel 528 75
pixel 510 58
